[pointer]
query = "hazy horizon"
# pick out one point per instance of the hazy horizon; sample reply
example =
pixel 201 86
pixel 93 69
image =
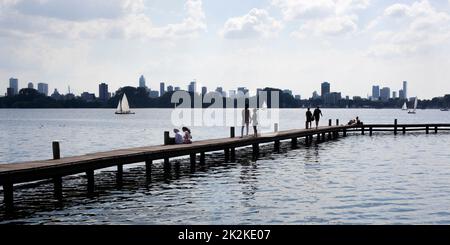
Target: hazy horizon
pixel 288 44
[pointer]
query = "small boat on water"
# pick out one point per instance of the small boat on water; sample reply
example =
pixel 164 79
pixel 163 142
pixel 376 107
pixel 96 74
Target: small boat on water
pixel 444 109
pixel 123 107
pixel 415 107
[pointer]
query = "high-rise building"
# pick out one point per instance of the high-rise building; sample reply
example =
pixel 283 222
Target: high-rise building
pixel 385 94
pixel 204 90
pixel 394 94
pixel 375 92
pixel 325 89
pixel 170 88
pixel 162 88
pixel 177 88
pixel 43 88
pixel 14 84
pixel 30 85
pixel 401 94
pixel 103 93
pixel 142 82
pixel 405 89
pixel 332 99
pixel 192 88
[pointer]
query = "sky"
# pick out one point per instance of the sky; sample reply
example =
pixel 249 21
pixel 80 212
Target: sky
pixel 288 44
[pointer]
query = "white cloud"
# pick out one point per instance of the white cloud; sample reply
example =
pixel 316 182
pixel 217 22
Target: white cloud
pixel 322 17
pixel 94 19
pixel 257 23
pixel 331 26
pixel 406 29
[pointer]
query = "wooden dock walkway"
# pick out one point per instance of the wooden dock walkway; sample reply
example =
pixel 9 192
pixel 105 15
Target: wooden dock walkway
pixel 56 168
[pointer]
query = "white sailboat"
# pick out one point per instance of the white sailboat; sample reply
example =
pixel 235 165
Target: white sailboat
pixel 123 107
pixel 405 107
pixel 415 107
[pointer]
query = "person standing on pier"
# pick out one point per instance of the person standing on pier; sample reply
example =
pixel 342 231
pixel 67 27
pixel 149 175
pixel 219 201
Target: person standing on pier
pixel 309 118
pixel 255 122
pixel 317 115
pixel 245 120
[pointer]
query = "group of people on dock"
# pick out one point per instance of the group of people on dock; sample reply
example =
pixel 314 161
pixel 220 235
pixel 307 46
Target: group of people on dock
pixel 185 138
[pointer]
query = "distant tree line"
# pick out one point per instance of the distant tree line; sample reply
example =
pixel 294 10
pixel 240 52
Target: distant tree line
pixel 139 98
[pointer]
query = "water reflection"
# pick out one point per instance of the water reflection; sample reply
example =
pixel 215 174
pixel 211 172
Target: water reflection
pixel 333 182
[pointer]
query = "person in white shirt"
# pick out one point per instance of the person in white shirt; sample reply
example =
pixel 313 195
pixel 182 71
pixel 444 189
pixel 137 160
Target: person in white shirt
pixel 255 122
pixel 178 137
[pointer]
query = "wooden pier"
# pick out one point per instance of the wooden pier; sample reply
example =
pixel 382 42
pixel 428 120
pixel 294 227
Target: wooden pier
pixel 58 167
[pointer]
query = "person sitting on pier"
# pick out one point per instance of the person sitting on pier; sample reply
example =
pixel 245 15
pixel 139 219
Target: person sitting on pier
pixel 245 120
pixel 358 122
pixel 178 136
pixel 255 122
pixel 309 118
pixel 317 115
pixel 355 122
pixel 187 139
pixel 351 122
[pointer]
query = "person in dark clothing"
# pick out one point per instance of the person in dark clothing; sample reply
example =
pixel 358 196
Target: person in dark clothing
pixel 309 118
pixel 317 115
pixel 245 120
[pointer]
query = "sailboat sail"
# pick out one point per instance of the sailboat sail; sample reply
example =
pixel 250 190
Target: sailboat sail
pixel 119 107
pixel 415 105
pixel 125 105
pixel 404 107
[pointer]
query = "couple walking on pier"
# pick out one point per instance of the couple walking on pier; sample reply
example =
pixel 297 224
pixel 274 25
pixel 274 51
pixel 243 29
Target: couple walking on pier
pixel 313 117
pixel 246 118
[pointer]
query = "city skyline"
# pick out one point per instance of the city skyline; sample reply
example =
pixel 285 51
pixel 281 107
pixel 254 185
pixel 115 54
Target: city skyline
pixel 293 44
pixel 194 87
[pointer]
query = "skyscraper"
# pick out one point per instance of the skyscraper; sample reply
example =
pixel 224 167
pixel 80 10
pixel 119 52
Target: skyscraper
pixel 385 94
pixel 405 89
pixel 43 88
pixel 162 89
pixel 401 94
pixel 376 92
pixel 192 88
pixel 142 82
pixel 325 88
pixel 103 93
pixel 30 85
pixel 170 88
pixel 14 84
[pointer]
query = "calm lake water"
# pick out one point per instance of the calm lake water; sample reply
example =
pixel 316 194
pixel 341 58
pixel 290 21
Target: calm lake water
pixel 383 179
